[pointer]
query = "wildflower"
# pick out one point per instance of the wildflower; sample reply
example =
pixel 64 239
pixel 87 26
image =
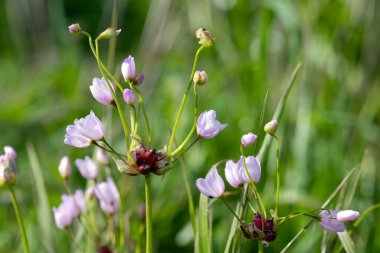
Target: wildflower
pixel 71 206
pixel 74 29
pixel 84 131
pixel 144 161
pixel 101 91
pixel 234 174
pixel 207 125
pixel 108 33
pixel 212 186
pixel 347 215
pixel 129 96
pixel 259 229
pixel 200 77
pixel 271 126
pixel 248 139
pixel 329 223
pixel 253 166
pixel 108 196
pixel 206 38
pixel 64 167
pixel 101 157
pixel 8 167
pixel 87 168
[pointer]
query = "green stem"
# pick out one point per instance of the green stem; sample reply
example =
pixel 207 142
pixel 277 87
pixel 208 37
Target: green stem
pixel 277 174
pixel 232 211
pixel 141 103
pixel 365 213
pixel 148 219
pixel 261 247
pixel 121 114
pixel 19 220
pixel 183 101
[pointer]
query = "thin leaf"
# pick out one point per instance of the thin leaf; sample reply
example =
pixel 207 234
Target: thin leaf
pixel 204 241
pixel 347 242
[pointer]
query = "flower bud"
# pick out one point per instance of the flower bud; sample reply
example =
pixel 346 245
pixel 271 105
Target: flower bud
pixel 139 79
pixel 347 215
pixel 8 170
pixel 74 29
pixel 206 38
pixel 129 96
pixel 108 33
pixel 271 126
pixel 248 139
pixel 200 77
pixel 8 150
pixel 101 157
pixel 64 167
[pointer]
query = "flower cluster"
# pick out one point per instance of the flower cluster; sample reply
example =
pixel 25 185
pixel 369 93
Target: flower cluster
pixel 72 206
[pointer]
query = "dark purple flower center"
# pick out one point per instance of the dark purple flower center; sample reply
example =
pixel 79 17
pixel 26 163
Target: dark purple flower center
pixel 255 229
pixel 148 160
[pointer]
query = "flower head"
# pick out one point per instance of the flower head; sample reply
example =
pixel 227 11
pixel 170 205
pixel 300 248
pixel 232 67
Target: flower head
pixel 84 131
pixel 101 91
pixel 71 206
pixel 87 168
pixel 253 166
pixel 248 139
pixel 329 223
pixel 74 29
pixel 129 96
pixel 10 152
pixel 64 167
pixel 128 69
pixel 108 196
pixel 234 174
pixel 207 125
pixel 271 126
pixel 212 186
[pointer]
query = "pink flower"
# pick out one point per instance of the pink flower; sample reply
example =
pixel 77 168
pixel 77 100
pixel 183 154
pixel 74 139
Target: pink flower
pixel 108 196
pixel 253 166
pixel 234 174
pixel 8 150
pixel 207 125
pixel 347 215
pixel 129 96
pixel 329 223
pixel 101 91
pixel 212 186
pixel 71 206
pixel 248 139
pixel 128 69
pixel 87 168
pixel 64 167
pixel 84 131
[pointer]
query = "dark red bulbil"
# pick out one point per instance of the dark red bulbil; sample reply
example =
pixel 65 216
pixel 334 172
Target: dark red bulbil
pixel 255 229
pixel 104 249
pixel 149 160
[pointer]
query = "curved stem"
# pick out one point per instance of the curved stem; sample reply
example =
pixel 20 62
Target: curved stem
pixel 183 101
pixel 19 220
pixel 148 219
pixel 232 211
pixel 277 174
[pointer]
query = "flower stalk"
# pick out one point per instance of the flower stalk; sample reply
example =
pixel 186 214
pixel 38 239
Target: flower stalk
pixel 148 219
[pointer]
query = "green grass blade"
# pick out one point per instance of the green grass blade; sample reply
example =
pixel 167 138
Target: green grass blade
pixel 347 242
pixel 204 240
pixel 44 212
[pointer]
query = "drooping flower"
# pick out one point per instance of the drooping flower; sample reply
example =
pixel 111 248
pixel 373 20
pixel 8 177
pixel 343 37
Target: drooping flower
pixel 101 91
pixel 70 207
pixel 329 223
pixel 253 166
pixel 8 167
pixel 207 125
pixel 347 215
pixel 212 186
pixel 108 196
pixel 84 131
pixel 248 139
pixel 128 69
pixel 271 126
pixel 87 168
pixel 64 167
pixel 129 96
pixel 234 174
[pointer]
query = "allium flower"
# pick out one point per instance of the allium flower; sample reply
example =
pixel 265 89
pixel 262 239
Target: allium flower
pixel 128 69
pixel 129 96
pixel 259 229
pixel 84 131
pixel 71 206
pixel 108 196
pixel 347 215
pixel 64 167
pixel 101 91
pixel 207 125
pixel 234 174
pixel 248 139
pixel 8 167
pixel 253 166
pixel 87 168
pixel 212 186
pixel 329 223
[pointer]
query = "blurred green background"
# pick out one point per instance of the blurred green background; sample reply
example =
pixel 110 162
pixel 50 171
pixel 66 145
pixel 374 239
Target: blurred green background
pixel 330 124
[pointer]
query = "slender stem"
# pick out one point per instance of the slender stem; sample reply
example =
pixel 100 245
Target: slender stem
pixel 261 247
pixel 148 219
pixel 277 174
pixel 112 41
pixel 108 150
pixel 19 220
pixel 232 211
pixel 192 144
pixel 113 151
pixel 141 103
pixel 183 101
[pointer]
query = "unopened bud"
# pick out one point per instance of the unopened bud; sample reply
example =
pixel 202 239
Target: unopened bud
pixel 108 33
pixel 139 79
pixel 200 77
pixel 347 215
pixel 248 139
pixel 8 170
pixel 64 167
pixel 129 96
pixel 101 157
pixel 74 29
pixel 206 38
pixel 271 126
